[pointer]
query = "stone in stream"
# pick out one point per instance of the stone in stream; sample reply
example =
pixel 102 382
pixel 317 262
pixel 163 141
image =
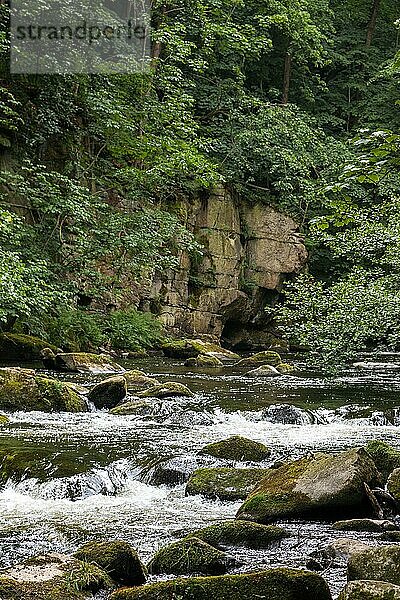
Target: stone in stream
pixel 315 487
pixel 108 393
pixel 118 559
pixel 192 348
pixel 171 389
pixel 261 358
pixel 80 362
pixel 287 414
pixel 390 536
pixel 52 577
pixel 133 407
pixel 177 470
pixel 274 584
pixel 18 347
pixel 138 381
pixel 237 448
pixel 370 590
pixel 285 368
pixel 371 525
pixel 379 563
pixel 264 371
pixel 334 554
pixel 393 485
pixel 385 457
pixel 23 389
pixel 240 533
pixel 189 556
pixel 205 361
pixel 224 483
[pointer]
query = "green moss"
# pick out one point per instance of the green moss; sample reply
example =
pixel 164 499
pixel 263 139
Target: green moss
pixel 393 484
pixel 285 368
pixel 275 584
pixel 60 396
pixel 224 483
pixel 116 558
pixel 384 456
pixel 4 420
pixel 188 556
pixel 370 590
pixel 191 348
pixel 237 448
pixel 378 564
pixel 207 362
pixel 261 358
pixel 19 347
pixel 138 381
pixel 240 533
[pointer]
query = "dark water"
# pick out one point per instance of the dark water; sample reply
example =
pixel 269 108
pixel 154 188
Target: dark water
pixel 95 469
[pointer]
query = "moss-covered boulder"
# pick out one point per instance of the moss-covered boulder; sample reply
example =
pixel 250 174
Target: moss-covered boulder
pixel 240 533
pixel 378 563
pixel 108 393
pixel 137 381
pixel 237 448
pixel 204 361
pixel 371 525
pixel 274 584
pixel 170 389
pixel 17 347
pixel 264 371
pixel 133 407
pixel 189 556
pixel 224 483
pixel 52 577
pixel 81 362
pixel 116 558
pixel 370 590
pixel 384 456
pixel 23 389
pixel 393 485
pixel 320 486
pixel 261 358
pixel 192 348
pixel 285 368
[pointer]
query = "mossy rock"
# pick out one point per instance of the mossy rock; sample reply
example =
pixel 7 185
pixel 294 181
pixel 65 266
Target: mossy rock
pixel 237 448
pixel 189 556
pixel 4 420
pixel 116 558
pixel 17 347
pixel 261 358
pixel 52 577
pixel 138 381
pixel 379 563
pixel 240 533
pixel 264 371
pixel 224 483
pixel 22 389
pixel 384 456
pixel 82 362
pixel 370 590
pixel 204 361
pixel 393 484
pixel 192 348
pixel 274 584
pixel 171 389
pixel 285 368
pixel 133 407
pixel 370 525
pixel 320 486
pixel 108 393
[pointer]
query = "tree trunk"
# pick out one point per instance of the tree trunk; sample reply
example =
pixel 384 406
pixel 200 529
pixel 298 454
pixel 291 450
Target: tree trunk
pixel 372 23
pixel 286 78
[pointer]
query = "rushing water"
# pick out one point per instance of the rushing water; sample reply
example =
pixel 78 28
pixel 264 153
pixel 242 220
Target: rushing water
pixel 98 470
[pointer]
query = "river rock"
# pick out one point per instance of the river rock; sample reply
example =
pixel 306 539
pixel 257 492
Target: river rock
pixel 237 448
pixel 261 358
pixel 134 407
pixel 274 584
pixel 318 486
pixel 178 470
pixel 192 348
pixel 205 361
pixel 80 362
pixel 17 347
pixel 23 389
pixel 224 483
pixel 171 389
pixel 138 381
pixel 370 590
pixel 108 393
pixel 335 553
pixel 240 533
pixel 285 368
pixel 390 536
pixel 393 485
pixel 188 556
pixel 287 414
pixel 263 371
pixel 379 563
pixel 385 457
pixel 116 558
pixel 52 577
pixel 371 525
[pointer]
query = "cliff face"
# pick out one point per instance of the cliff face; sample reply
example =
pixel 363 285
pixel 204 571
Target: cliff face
pixel 249 251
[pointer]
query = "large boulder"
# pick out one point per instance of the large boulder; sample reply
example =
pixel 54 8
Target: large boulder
pixel 379 563
pixel 116 558
pixel 188 556
pixel 52 577
pixel 393 485
pixel 240 533
pixel 224 483
pixel 80 362
pixel 264 371
pixel 261 358
pixel 385 457
pixel 108 393
pixel 17 347
pixel 287 414
pixel 320 486
pixel 23 389
pixel 237 448
pixel 170 389
pixel 192 348
pixel 137 381
pixel 370 590
pixel 274 584
pixel 205 361
pixel 336 553
pixel 370 525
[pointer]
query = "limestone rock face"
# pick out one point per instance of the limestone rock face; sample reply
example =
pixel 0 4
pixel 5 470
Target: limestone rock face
pixel 370 590
pixel 316 486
